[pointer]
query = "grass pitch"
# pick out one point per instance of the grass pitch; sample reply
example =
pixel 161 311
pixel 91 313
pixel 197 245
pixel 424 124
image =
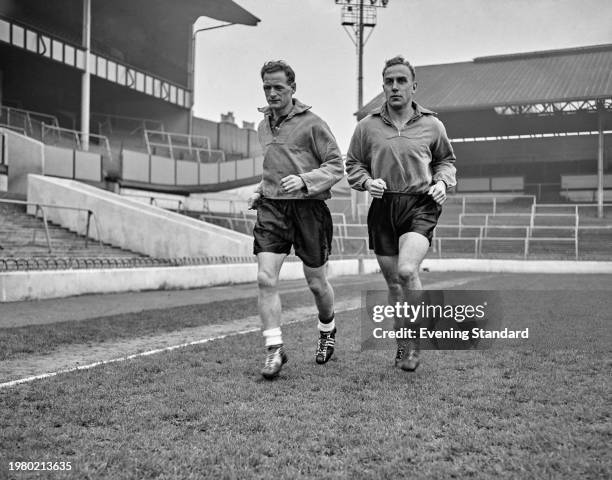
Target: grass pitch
pixel 205 412
pixel 18 342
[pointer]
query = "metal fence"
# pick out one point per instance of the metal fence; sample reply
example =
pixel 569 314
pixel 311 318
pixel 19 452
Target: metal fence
pixel 72 263
pixel 27 122
pixel 534 231
pixel 179 146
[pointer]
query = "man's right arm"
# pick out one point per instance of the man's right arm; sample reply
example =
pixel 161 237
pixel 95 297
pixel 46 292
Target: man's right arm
pixel 358 161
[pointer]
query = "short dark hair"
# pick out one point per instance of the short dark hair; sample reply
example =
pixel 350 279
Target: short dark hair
pixel 399 60
pixel 278 66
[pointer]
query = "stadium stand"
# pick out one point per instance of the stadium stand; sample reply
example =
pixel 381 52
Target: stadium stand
pixel 140 93
pixel 516 128
pixel 526 149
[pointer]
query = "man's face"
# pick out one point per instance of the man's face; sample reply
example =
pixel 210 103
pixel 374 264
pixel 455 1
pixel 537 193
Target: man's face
pixel 279 93
pixel 399 86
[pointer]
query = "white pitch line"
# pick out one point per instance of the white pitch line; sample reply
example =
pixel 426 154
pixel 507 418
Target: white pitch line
pixel 348 306
pixel 128 357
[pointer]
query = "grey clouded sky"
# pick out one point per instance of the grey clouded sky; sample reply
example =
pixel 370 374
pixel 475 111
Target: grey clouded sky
pixel 308 35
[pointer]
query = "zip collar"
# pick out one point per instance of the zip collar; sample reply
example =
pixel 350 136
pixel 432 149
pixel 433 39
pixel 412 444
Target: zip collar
pixel 298 107
pixel 419 111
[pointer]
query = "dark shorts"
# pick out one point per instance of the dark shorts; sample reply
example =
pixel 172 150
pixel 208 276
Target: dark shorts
pixel 304 224
pixel 393 215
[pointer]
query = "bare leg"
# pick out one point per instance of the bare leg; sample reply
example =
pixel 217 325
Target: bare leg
pixel 412 250
pixel 268 269
pixel 401 273
pixel 388 267
pixel 321 289
pixel 324 298
pixel 395 294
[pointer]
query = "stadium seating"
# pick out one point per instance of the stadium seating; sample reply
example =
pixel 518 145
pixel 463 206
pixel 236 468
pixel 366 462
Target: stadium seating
pixel 141 150
pixel 478 226
pixel 24 237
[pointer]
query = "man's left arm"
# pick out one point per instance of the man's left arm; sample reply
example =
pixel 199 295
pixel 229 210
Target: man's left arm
pixel 443 158
pixel 331 170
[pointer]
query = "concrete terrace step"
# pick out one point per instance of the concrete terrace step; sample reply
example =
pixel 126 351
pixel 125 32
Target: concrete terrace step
pixel 18 229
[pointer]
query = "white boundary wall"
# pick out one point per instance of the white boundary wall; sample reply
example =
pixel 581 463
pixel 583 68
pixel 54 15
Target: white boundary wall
pixel 36 285
pixel 517 266
pixel 18 286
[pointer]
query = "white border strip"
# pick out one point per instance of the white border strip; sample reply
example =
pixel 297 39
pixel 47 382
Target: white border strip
pixel 37 285
pixel 517 266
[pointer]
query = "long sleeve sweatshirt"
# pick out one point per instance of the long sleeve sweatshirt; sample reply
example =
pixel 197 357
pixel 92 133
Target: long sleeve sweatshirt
pixel 409 159
pixel 301 145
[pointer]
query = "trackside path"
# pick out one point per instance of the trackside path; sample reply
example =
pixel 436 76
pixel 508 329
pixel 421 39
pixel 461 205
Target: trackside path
pixel 39 312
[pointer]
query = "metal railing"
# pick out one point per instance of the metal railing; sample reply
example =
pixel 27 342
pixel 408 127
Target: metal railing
pixel 239 224
pixel 26 120
pixel 20 130
pixel 437 244
pixel 180 139
pixel 235 216
pixel 342 245
pixel 133 125
pixel 231 213
pixel 42 207
pixel 529 229
pixel 576 208
pixel 348 234
pixel 232 206
pixel 207 206
pixel 197 147
pixel 494 200
pixel 160 202
pixel 52 135
pixel 472 200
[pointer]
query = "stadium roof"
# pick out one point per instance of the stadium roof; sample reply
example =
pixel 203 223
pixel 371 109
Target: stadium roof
pixel 149 34
pixel 524 78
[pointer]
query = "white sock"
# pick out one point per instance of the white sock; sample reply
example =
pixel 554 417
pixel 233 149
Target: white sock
pixel 326 327
pixel 273 336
